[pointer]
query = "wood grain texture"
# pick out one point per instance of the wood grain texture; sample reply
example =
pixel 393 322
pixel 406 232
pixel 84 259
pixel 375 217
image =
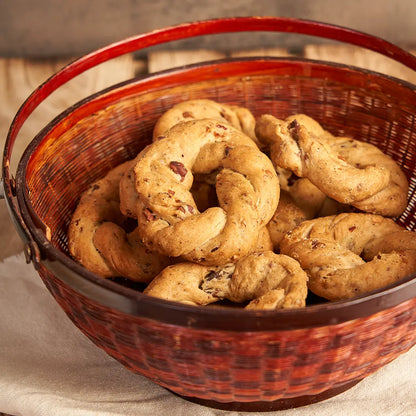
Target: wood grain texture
pixel 362 58
pixel 160 60
pixel 18 78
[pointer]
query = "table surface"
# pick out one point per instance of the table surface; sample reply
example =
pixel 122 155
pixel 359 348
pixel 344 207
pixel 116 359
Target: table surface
pixel 19 77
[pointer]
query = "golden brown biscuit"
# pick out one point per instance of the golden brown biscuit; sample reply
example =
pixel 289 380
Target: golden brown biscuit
pixel 267 280
pixel 349 254
pixel 239 117
pixel 347 170
pixel 182 282
pixel 97 239
pixel 302 200
pixel 286 217
pixel 392 199
pixel 246 186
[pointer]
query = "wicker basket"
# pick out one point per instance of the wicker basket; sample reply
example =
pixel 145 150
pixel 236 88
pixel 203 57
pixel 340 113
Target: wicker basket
pixel 223 357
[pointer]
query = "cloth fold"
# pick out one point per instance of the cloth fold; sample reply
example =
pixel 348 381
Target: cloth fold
pixel 48 367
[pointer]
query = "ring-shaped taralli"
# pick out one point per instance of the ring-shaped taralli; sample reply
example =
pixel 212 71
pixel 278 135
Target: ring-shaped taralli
pixel 350 254
pixel 239 117
pixel 347 170
pixel 97 237
pixel 266 280
pixel 246 185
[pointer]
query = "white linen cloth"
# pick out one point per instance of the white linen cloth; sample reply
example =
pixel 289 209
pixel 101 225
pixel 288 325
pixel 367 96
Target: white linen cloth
pixel 49 368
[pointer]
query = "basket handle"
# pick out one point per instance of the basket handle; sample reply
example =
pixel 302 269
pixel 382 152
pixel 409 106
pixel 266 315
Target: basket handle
pixel 178 32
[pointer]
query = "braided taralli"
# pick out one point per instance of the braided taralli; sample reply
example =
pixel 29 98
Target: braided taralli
pixel 266 280
pixel 347 170
pixel 246 185
pixel 350 254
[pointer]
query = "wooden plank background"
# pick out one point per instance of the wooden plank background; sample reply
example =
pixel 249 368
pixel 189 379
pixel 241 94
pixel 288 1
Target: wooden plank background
pixel 19 77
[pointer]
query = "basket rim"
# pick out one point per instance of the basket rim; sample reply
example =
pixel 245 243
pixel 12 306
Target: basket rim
pixel 132 302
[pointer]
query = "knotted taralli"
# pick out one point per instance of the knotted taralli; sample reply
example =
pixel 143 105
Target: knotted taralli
pixel 97 236
pixel 347 170
pixel 267 280
pixel 350 254
pixel 246 185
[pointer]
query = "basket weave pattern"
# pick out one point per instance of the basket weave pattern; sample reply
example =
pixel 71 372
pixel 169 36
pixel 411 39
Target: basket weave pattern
pixel 234 366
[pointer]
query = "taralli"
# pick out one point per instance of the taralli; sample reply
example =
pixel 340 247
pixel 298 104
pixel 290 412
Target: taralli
pixel 287 179
pixel 202 190
pixel 350 254
pixel 97 237
pixel 239 117
pixel 304 201
pixel 313 201
pixel 392 199
pixel 349 171
pixel 286 217
pixel 267 280
pixel 201 213
pixel 300 199
pixel 246 185
pixel 182 282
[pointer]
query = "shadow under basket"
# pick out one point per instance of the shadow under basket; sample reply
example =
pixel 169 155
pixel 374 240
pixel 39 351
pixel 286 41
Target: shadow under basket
pixel 223 357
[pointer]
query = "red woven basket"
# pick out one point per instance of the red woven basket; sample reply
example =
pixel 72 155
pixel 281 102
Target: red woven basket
pixel 223 357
